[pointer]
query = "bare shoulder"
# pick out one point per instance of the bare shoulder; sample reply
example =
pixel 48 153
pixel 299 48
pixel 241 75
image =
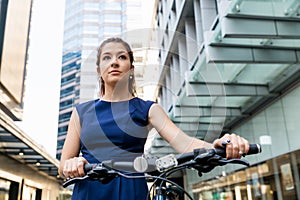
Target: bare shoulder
pixel 156 109
pixel 157 116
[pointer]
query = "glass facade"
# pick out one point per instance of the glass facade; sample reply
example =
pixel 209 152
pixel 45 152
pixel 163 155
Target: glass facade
pixel 69 94
pixel 233 66
pixel 275 173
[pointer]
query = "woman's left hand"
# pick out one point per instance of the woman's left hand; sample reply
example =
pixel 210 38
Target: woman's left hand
pixel 235 145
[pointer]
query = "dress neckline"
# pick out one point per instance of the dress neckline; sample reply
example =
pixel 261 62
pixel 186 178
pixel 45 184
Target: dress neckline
pixel 121 101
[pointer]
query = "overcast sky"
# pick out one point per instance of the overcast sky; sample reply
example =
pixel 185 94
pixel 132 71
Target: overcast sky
pixel 41 101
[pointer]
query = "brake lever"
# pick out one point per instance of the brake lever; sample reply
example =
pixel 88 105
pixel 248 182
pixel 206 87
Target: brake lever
pixel 234 161
pixel 211 160
pixel 74 180
pixel 201 158
pixel 215 159
pixel 102 174
pixel 205 162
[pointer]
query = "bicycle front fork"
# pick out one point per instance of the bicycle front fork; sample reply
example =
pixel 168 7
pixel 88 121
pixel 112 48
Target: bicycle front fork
pixel 160 193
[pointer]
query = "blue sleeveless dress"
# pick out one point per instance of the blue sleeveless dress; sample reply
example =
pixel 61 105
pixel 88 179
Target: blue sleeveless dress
pixel 113 131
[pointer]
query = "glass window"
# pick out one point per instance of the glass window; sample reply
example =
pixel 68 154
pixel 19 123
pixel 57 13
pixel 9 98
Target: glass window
pixel 91 17
pixel 112 18
pixel 273 179
pixel 286 177
pixel 112 30
pixel 90 5
pixel 113 6
pixel 90 29
pixel 4 189
pixel 29 193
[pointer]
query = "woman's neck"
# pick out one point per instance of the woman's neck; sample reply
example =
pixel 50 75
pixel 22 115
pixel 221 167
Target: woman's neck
pixel 116 96
pixel 118 92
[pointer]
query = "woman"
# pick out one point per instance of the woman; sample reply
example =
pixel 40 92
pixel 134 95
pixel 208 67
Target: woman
pixel 116 127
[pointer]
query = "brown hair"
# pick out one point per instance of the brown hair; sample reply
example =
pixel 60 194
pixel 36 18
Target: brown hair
pixel 131 83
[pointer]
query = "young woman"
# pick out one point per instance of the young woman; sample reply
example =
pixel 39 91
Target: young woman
pixel 116 125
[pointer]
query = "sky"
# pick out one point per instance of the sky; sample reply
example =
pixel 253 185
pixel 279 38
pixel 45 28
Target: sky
pixel 41 98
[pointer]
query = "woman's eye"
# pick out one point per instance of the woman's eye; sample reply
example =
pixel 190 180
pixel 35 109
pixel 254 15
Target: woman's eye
pixel 123 57
pixel 106 58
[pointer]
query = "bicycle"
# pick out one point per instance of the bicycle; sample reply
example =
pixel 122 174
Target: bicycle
pixel 159 169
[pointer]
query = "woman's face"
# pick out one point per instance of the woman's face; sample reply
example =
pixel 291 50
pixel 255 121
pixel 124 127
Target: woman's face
pixel 114 63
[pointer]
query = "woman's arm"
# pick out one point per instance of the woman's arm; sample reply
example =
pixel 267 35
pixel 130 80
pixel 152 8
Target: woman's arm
pixel 181 142
pixel 70 164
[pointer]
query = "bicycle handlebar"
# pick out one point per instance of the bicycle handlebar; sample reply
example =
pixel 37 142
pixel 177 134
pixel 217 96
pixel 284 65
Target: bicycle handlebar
pixel 142 164
pixel 204 160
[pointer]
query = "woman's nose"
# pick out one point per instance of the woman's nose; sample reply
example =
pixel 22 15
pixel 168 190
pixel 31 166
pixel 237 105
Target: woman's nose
pixel 114 61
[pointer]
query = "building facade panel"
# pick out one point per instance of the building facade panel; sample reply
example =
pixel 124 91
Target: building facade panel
pixel 14 49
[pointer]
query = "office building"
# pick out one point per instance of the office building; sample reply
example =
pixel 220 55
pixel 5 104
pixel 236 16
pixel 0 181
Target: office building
pixel 139 27
pixel 233 66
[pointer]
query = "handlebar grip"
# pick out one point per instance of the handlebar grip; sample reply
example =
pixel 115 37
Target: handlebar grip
pixel 253 149
pixel 88 167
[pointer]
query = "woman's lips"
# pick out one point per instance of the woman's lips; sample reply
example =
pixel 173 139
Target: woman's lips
pixel 114 72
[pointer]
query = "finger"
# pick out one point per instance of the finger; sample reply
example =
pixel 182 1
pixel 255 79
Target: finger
pixel 226 141
pixel 247 145
pixel 65 173
pixel 226 138
pixel 80 166
pixel 74 168
pixel 223 141
pixel 242 148
pixel 67 169
pixel 237 146
pixel 232 150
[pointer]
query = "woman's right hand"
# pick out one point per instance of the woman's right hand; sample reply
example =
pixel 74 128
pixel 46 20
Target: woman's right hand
pixel 74 167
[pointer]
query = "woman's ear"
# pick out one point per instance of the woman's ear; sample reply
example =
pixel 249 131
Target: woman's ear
pixel 98 69
pixel 132 67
